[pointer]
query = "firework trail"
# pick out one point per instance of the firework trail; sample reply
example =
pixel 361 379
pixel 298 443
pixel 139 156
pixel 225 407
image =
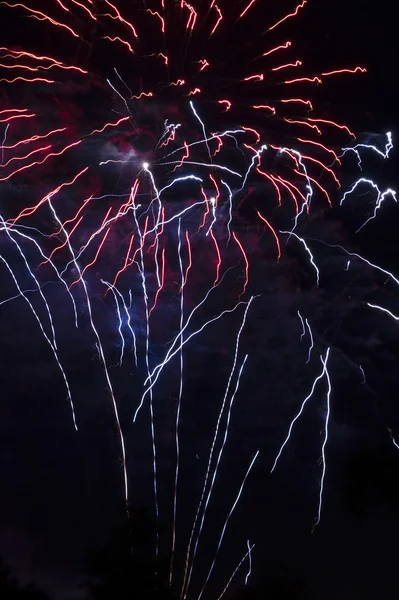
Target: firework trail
pixel 153 138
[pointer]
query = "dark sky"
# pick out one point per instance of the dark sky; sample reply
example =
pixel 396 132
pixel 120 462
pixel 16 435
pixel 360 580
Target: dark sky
pixel 62 491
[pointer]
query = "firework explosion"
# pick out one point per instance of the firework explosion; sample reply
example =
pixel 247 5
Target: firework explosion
pixel 162 155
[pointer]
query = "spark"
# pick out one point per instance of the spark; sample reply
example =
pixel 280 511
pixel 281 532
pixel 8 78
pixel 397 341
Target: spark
pixel 303 79
pixel 301 409
pixel 42 17
pixel 303 325
pixel 382 309
pixel 309 253
pixel 34 138
pixel 274 234
pixel 177 424
pixel 227 104
pixel 227 521
pixel 363 373
pixel 297 63
pixel 323 449
pixel 118 39
pixel 160 17
pixel 293 14
pixel 228 225
pixel 53 348
pixel 13 117
pixel 282 47
pixel 340 71
pixel 203 129
pixel 34 80
pixel 235 571
pixel 220 17
pixel 187 574
pixel 257 77
pixel 298 100
pixel 245 260
pixel 343 127
pixel 218 255
pixel 247 8
pixel 266 107
pixel 311 341
pixel 250 562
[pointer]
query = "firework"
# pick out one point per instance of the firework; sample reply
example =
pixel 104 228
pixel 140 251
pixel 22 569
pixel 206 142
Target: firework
pixel 141 136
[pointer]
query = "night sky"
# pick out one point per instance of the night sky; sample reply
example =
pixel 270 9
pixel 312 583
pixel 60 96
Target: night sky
pixel 62 491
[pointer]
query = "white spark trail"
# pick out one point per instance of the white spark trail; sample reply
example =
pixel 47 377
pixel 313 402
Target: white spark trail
pixel 299 413
pixel 227 521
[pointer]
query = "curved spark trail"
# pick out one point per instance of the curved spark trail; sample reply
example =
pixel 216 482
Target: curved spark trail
pixel 164 182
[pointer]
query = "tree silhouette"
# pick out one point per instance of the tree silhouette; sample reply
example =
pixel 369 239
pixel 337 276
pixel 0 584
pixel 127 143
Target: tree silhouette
pixel 10 589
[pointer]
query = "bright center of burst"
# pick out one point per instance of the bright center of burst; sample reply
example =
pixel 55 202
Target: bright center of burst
pixel 145 166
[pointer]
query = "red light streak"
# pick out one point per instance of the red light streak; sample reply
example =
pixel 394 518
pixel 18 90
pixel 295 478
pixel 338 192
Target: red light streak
pixel 299 100
pixel 317 184
pixel 218 255
pixel 125 264
pixel 186 155
pixel 272 180
pixel 258 77
pixel 64 243
pixel 274 234
pixel 245 260
pixel 56 233
pixel 162 282
pixel 161 55
pixel 282 47
pixel 324 167
pixel 344 127
pixel 219 18
pixel 41 17
pixel 26 156
pixel 193 15
pixel 42 161
pixel 190 260
pixel 293 14
pixel 118 39
pixel 302 79
pixel 227 103
pixel 204 63
pixel 293 122
pixel 142 240
pixel 34 69
pixel 30 210
pixel 154 13
pixel 321 146
pixel 247 8
pixel 108 125
pixel 217 189
pixel 142 95
pixel 28 80
pixel 253 131
pixel 13 117
pixel 220 144
pixel 93 261
pixel 120 18
pixel 338 72
pixel 297 63
pixel 85 8
pixel 266 107
pixel 33 139
pixel 206 213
